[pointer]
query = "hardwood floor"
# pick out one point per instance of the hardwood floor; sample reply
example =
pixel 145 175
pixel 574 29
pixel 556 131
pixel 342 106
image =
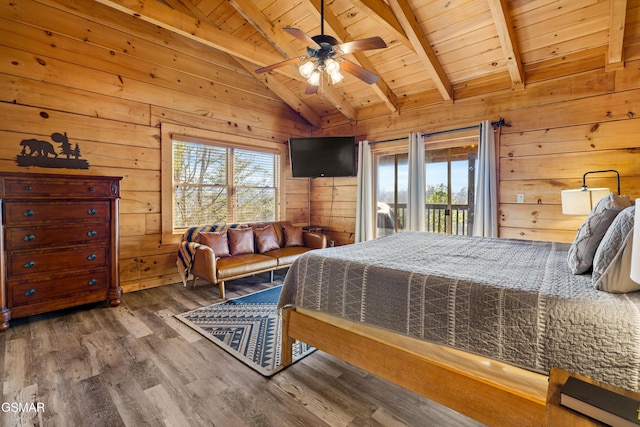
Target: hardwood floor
pixel 136 365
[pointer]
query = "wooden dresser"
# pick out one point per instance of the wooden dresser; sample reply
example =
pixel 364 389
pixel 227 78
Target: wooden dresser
pixel 59 242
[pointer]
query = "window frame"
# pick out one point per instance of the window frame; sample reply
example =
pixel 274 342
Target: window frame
pixel 170 131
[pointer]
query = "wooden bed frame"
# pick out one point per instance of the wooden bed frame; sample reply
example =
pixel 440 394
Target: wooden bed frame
pixel 461 391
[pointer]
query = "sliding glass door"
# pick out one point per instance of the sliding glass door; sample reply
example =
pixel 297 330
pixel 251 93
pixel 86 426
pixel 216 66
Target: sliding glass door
pixel 391 193
pixel 450 183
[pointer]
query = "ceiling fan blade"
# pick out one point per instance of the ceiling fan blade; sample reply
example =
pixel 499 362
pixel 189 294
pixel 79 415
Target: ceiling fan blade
pixel 311 89
pixel 362 44
pixel 361 73
pixel 300 35
pixel 279 64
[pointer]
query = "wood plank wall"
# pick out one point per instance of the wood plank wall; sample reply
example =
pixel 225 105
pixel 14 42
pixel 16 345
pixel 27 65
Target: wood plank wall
pixel 557 129
pixel 109 80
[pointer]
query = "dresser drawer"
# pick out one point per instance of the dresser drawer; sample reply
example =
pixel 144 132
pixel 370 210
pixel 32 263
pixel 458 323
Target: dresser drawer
pixel 39 237
pixel 56 187
pixel 21 263
pixel 26 212
pixel 31 292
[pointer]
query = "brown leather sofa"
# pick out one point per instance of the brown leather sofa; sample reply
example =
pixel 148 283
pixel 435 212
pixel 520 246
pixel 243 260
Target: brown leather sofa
pixel 272 250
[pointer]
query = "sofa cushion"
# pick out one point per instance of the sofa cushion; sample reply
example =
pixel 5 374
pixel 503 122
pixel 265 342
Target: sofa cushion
pixel 217 241
pixel 286 256
pixel 240 265
pixel 240 241
pixel 277 227
pixel 293 235
pixel 266 239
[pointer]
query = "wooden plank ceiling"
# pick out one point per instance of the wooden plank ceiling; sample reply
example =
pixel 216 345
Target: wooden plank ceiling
pixel 437 50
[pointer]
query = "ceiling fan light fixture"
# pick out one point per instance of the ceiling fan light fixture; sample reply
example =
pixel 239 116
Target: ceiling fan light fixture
pixel 307 69
pixel 321 49
pixel 332 66
pixel 333 69
pixel 314 78
pixel 336 77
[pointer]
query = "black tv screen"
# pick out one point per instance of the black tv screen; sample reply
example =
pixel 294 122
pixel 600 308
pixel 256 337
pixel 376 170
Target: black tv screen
pixel 323 156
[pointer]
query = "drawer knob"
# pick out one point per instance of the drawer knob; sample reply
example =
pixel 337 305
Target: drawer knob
pixel 92 233
pixel 29 212
pixel 29 238
pixel 92 282
pixel 92 211
pixel 29 264
pixel 92 189
pixel 28 187
pixel 92 257
pixel 30 292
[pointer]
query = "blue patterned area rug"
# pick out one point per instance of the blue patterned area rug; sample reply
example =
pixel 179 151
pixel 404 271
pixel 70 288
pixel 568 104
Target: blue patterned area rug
pixel 248 327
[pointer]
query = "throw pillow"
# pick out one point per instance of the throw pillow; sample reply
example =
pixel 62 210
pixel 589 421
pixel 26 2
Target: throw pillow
pixel 266 239
pixel 240 241
pixel 293 235
pixel 612 262
pixel 217 241
pixel 583 248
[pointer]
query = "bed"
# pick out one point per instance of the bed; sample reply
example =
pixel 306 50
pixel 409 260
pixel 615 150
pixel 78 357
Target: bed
pixel 473 323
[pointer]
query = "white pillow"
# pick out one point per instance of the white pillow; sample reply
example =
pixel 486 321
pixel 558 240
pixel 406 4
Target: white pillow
pixel 583 248
pixel 612 261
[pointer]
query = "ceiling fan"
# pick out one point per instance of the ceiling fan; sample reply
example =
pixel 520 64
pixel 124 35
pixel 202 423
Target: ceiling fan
pixel 322 49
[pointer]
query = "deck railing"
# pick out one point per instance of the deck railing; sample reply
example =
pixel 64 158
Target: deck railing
pixel 435 219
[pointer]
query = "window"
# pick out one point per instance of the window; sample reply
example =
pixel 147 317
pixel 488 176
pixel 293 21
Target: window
pixel 214 184
pixel 450 175
pixel 209 177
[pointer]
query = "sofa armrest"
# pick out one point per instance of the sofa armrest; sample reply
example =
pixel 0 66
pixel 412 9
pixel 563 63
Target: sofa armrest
pixel 204 264
pixel 314 240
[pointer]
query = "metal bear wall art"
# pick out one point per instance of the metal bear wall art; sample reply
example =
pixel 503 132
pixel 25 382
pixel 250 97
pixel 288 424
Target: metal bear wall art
pixel 36 152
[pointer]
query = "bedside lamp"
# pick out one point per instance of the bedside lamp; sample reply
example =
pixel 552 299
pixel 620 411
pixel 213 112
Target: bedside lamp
pixel 582 201
pixel 635 250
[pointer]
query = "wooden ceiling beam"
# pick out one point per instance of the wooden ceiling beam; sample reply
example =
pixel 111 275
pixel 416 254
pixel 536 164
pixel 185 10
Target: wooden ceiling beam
pixel 201 30
pixel 423 49
pixel 182 6
pixel 163 16
pixel 382 14
pixel 502 20
pixel 278 38
pixel 617 22
pixel 285 94
pixel 380 87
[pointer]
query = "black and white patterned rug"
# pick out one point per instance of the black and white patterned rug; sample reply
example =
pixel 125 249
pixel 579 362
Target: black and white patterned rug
pixel 248 327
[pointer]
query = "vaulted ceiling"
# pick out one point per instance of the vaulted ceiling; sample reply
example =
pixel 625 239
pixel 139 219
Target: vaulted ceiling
pixel 437 50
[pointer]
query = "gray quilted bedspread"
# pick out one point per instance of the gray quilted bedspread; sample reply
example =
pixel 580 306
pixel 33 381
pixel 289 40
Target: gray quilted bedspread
pixel 511 300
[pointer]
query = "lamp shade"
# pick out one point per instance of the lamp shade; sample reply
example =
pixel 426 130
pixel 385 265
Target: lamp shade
pixel 307 69
pixel 582 201
pixel 635 249
pixel 314 78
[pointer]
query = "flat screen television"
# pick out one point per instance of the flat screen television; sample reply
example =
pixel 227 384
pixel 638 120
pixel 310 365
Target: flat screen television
pixel 323 156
